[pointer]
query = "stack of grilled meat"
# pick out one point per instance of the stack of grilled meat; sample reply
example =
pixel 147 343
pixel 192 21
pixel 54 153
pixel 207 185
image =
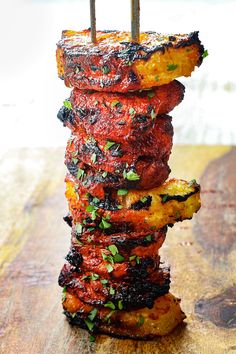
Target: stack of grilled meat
pixel 120 203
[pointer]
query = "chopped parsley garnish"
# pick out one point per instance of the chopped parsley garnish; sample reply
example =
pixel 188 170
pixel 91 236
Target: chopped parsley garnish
pixel 131 175
pixel 74 160
pixel 89 323
pixel 112 291
pixel 94 276
pixel 148 238
pixel 164 198
pixel 79 228
pixel 118 258
pixel 104 224
pixel 171 67
pixel 153 114
pixel 132 111
pixel 67 104
pixel 113 249
pixel 108 145
pixel 91 208
pixel 96 200
pixel 135 258
pixel 109 268
pixel 94 157
pixel 104 174
pixel 110 305
pixel 151 94
pixel 63 297
pixel 143 200
pixel 120 305
pixel 120 206
pixel 115 103
pixel 205 54
pixel 122 191
pixel 80 173
pixel 92 339
pixel 105 69
pixel 140 321
pixel 92 314
pixel 192 182
pixel 103 281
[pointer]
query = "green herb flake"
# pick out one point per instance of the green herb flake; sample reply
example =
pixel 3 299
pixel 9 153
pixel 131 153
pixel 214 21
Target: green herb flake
pixel 94 215
pixel 118 258
pixel 108 145
pixel 107 317
pixel 89 324
pixel 94 157
pixel 120 305
pixel 132 111
pixel 143 200
pixel 151 94
pixel 67 104
pixel 138 260
pixel 105 69
pixel 110 305
pixel 148 238
pixel 103 281
pixel 140 321
pixel 94 276
pixel 205 54
pixel 122 191
pixel 120 206
pixel 132 258
pixel 79 228
pixel 164 198
pixel 132 176
pixel 74 160
pixel 192 182
pixel 63 296
pixel 80 173
pixel 113 249
pixel 90 229
pixel 171 67
pixel 153 114
pixel 104 174
pixel 112 291
pixel 96 200
pixel 92 314
pixel 115 103
pixel 91 208
pixel 109 268
pixel 104 224
pixel 92 339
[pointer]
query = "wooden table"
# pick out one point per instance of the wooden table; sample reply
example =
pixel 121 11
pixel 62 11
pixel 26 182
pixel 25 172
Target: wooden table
pixel 34 239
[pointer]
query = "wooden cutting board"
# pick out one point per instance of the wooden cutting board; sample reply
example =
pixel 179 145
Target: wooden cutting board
pixel 34 239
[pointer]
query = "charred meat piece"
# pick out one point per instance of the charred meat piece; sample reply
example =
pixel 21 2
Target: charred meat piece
pixel 129 116
pixel 144 323
pixel 115 64
pixel 175 200
pixel 93 289
pixel 146 156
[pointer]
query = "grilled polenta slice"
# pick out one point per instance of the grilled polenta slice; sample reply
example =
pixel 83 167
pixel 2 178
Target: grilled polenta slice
pixel 144 323
pixel 137 210
pixel 117 65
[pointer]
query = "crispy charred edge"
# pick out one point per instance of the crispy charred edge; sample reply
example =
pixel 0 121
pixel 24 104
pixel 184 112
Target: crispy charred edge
pixel 122 240
pixel 133 295
pixel 132 270
pixel 102 180
pixel 91 113
pixel 134 51
pixel 180 198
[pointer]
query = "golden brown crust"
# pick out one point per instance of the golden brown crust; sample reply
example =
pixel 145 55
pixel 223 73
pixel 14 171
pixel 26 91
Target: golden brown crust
pixel 115 64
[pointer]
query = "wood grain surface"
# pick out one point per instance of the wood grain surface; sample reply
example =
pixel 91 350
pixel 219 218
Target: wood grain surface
pixel 34 239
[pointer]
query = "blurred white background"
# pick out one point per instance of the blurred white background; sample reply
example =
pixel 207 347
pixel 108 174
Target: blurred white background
pixel 31 94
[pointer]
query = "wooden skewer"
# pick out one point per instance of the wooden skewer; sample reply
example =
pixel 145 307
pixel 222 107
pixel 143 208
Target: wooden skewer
pixel 135 20
pixel 93 21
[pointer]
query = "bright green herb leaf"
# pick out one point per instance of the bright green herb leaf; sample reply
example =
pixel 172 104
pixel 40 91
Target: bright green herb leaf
pixel 104 174
pixel 192 182
pixel 118 258
pixel 132 111
pixel 92 339
pixel 104 281
pixel 113 249
pixel 115 103
pixel 104 224
pixel 67 104
pixel 80 173
pixel 120 305
pixel 89 324
pixel 148 238
pixel 205 54
pixel 110 305
pixel 74 160
pixel 112 291
pixel 143 200
pixel 79 228
pixel 122 191
pixel 92 314
pixel 105 69
pixel 109 268
pixel 108 145
pixel 132 176
pixel 153 114
pixel 171 67
pixel 94 276
pixel 140 321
